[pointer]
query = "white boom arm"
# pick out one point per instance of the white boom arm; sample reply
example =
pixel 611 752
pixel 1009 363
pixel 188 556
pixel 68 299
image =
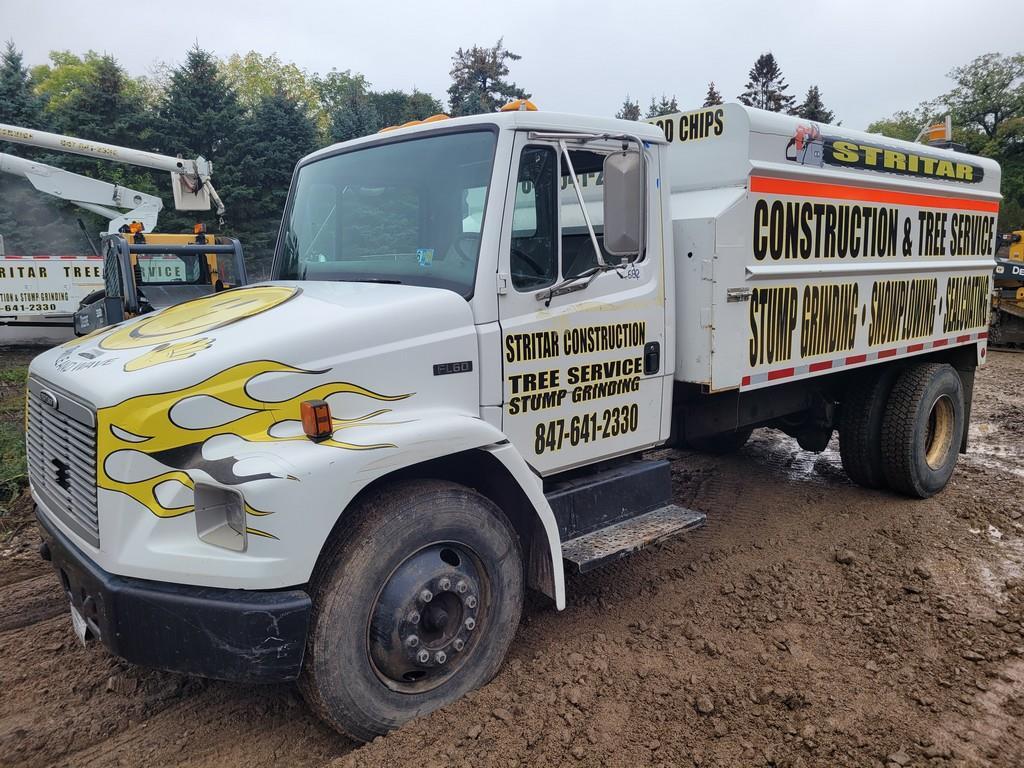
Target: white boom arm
pixel 190 178
pixel 92 194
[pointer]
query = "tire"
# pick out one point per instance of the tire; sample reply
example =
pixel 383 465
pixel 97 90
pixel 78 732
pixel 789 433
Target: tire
pixel 362 674
pixel 922 429
pixel 722 443
pixel 860 428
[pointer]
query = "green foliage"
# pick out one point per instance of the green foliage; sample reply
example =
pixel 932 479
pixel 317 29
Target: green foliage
pixel 988 93
pixel 986 104
pixel 766 88
pixel 713 98
pixel 278 132
pixel 19 104
pixel 665 106
pixel 479 83
pixel 355 116
pixel 630 110
pixel 199 110
pixel 813 108
pixel 13 472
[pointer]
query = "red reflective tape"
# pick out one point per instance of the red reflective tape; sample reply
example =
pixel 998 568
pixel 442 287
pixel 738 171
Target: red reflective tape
pixel 854 359
pixel 774 186
pixel 940 342
pixel 781 373
pixel 884 353
pixel 915 347
pixel 983 335
pixel 822 366
pixel 745 382
pixel 962 339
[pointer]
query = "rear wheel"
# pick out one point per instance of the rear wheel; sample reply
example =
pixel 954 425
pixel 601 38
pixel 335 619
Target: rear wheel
pixel 922 429
pixel 860 429
pixel 413 607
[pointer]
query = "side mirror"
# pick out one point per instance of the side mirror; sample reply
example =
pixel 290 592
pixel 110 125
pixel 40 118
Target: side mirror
pixel 623 203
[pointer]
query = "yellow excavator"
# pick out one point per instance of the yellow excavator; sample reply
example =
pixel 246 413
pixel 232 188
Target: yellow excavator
pixel 1006 327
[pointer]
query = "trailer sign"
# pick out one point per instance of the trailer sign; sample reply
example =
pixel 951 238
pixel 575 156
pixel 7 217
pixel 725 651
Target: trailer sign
pixel 47 285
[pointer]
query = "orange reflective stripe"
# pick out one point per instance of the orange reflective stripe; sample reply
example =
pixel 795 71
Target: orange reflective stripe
pixel 773 186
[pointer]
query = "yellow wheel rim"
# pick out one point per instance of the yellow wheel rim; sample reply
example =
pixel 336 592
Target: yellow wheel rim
pixel 939 434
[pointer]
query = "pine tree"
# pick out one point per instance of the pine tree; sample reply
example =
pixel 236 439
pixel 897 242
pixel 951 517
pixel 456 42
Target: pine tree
pixel 813 108
pixel 279 131
pixel 664 107
pixel 396 107
pixel 199 113
pixel 479 83
pixel 19 104
pixel 630 110
pixel 766 88
pixel 356 116
pixel 713 97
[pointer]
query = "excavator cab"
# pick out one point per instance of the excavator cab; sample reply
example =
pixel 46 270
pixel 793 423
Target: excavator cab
pixel 146 272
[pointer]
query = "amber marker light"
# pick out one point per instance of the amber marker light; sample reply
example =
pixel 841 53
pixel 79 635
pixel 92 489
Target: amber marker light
pixel 316 419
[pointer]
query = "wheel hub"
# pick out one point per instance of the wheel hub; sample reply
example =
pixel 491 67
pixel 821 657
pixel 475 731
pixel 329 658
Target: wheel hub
pixel 939 431
pixel 425 617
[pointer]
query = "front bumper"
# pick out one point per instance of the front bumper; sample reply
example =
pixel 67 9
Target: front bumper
pixel 226 634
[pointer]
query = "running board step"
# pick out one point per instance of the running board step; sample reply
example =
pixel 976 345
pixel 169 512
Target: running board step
pixel 592 550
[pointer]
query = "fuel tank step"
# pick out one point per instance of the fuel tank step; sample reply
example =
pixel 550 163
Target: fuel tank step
pixel 604 545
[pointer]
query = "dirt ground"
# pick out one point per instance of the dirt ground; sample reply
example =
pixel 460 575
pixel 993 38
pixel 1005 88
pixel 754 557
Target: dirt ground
pixel 810 623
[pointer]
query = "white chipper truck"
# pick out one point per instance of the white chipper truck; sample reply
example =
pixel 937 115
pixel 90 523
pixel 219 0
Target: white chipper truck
pixel 349 475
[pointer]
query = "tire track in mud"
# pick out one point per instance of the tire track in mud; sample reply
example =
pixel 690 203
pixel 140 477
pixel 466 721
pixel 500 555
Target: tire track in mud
pixel 811 622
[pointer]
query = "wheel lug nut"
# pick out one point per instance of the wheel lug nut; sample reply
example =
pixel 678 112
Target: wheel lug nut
pixel 426 595
pixel 441 657
pixel 461 587
pixel 423 656
pixel 414 617
pixel 457 644
pixel 445 584
pixel 471 602
pixel 412 641
pixel 470 623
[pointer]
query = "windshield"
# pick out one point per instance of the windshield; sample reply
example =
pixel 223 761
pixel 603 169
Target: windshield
pixel 409 212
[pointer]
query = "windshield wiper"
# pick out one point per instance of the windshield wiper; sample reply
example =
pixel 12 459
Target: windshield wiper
pixel 369 280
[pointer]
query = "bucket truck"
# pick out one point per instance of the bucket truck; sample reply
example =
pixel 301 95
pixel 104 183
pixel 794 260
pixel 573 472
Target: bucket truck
pixel 145 271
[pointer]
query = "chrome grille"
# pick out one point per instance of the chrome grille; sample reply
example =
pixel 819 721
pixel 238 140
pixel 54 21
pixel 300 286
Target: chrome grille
pixel 61 447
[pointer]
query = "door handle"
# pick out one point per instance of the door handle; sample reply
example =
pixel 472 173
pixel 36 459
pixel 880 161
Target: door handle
pixel 652 358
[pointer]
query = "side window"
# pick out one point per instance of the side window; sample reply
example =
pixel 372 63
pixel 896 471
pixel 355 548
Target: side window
pixel 534 255
pixel 577 248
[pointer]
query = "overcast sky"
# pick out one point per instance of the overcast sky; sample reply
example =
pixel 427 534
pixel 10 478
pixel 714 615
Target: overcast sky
pixel 870 58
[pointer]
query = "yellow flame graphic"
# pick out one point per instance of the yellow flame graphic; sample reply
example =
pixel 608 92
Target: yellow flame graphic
pixel 144 424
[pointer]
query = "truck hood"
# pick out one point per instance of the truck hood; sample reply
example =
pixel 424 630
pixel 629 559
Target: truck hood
pixel 312 327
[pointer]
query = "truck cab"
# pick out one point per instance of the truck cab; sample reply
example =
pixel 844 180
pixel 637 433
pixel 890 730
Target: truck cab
pixel 350 474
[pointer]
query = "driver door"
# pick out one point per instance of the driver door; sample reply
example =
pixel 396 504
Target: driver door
pixel 584 377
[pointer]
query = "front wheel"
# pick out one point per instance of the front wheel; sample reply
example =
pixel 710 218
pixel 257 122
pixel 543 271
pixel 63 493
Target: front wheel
pixel 413 606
